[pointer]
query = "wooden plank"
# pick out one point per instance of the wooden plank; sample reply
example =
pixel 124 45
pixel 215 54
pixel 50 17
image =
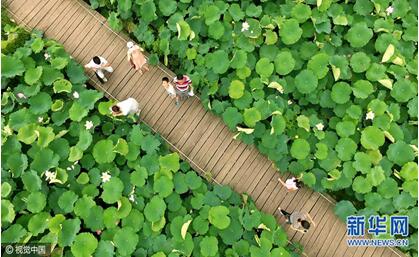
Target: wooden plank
pixel 38 10
pixel 49 20
pixel 71 30
pixel 251 155
pixel 192 150
pixel 62 19
pixel 48 8
pixel 23 8
pixel 242 152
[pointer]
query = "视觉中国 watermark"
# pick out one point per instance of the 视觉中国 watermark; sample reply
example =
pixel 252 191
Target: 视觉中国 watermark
pixel 386 231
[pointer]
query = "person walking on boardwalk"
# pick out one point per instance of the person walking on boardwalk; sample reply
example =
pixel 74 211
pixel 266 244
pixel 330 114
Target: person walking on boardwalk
pixel 300 221
pixel 170 89
pixel 127 107
pixel 99 64
pixel 291 184
pixel 183 87
pixel 136 58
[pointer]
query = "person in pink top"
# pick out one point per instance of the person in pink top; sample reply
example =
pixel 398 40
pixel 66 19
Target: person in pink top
pixel 136 58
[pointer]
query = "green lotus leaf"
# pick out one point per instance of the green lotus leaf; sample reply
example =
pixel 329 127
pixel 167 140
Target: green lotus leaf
pixel 75 154
pixel 105 249
pixel 362 89
pixel 216 30
pixel 84 245
pixel 209 246
pixel 163 186
pixel 36 202
pixel 322 151
pixel 212 14
pixel 218 216
pixel 121 147
pixel 409 171
pixel 404 90
pixel 13 234
pixel 400 153
pixel 254 30
pixel 40 103
pixel 150 144
pixel 167 7
pixel 62 85
pixel 139 176
pixel 170 162
pixel 411 187
pixel 83 178
pixel 83 206
pixel 251 116
pixel 239 59
pixel 359 34
pixel 362 162
pixel 341 92
pixel 345 128
pixel 110 217
pixel 306 81
pixel 377 106
pixel 67 201
pixel 232 117
pixel 75 73
pixel 11 66
pixel 360 62
pixel 376 176
pixel 31 181
pixel 346 148
pixel 236 89
pixel 103 151
pixel 264 67
pixel 376 72
pixel 68 232
pixel 37 224
pixel 284 63
pixel 159 254
pixel 372 138
pixel 301 12
pixel 303 122
pixel 44 159
pixel 20 118
pixel 45 136
pixel 135 220
pixel 88 98
pixel 319 64
pixel 57 105
pixel 112 190
pixel 403 201
pixel 7 211
pixel 270 37
pixel 236 12
pixel 155 209
pixel 374 201
pixel 6 189
pixel 218 61
pixel 17 163
pixel 27 134
pixel 300 149
pixel 290 32
pixel 85 139
pixel 344 209
pixel 388 188
pixel 309 179
pixel 59 63
pixel 278 124
pixel 33 75
pixel 361 185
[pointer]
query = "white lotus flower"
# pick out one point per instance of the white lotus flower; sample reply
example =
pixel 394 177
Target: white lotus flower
pixel 105 177
pixel 319 126
pixel 245 26
pixel 132 198
pixel 21 95
pixel 370 115
pixel 7 130
pixel 289 102
pixel 389 10
pixel 88 124
pixel 50 176
pixel 76 95
pixel 47 56
pixel 40 119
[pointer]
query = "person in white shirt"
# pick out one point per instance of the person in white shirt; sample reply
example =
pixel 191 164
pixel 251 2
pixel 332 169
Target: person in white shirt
pixel 291 184
pixel 127 107
pixel 136 58
pixel 170 89
pixel 99 64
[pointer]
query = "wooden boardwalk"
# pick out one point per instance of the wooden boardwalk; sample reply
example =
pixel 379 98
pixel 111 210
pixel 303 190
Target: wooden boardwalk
pixel 200 137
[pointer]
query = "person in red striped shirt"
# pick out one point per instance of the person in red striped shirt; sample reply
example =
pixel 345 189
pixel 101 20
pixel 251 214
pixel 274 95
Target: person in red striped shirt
pixel 183 87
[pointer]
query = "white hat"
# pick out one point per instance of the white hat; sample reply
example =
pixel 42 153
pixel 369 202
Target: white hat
pixel 130 44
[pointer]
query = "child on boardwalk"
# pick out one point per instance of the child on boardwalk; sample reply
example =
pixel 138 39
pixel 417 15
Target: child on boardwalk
pixel 99 64
pixel 291 184
pixel 127 107
pixel 170 89
pixel 300 221
pixel 136 58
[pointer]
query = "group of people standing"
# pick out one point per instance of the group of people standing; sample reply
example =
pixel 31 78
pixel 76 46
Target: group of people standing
pixel 180 87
